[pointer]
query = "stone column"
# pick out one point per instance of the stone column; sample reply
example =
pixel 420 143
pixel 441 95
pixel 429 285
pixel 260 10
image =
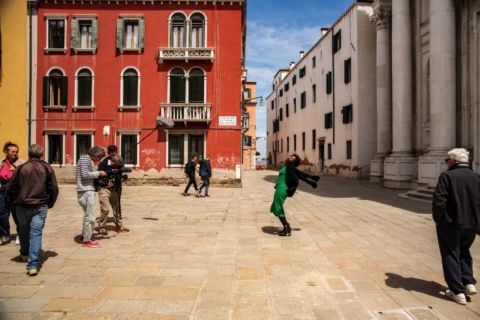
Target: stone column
pixel 400 166
pixel 382 18
pixel 442 90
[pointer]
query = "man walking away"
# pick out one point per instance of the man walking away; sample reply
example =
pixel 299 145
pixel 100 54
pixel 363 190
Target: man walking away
pixel 205 174
pixel 190 172
pixel 86 192
pixel 33 191
pixel 456 212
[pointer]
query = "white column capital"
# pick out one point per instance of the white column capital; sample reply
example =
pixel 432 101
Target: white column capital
pixel 382 17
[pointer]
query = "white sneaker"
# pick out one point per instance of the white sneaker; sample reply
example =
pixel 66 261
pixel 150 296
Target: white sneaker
pixel 470 290
pixel 17 240
pixel 458 298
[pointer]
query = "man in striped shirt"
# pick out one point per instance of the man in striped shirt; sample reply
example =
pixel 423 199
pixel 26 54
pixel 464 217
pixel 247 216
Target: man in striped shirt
pixel 86 191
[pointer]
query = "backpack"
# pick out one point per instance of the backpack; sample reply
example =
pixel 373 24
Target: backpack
pixel 187 168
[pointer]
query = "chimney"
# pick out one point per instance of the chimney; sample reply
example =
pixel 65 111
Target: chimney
pixel 292 64
pixel 302 53
pixel 324 30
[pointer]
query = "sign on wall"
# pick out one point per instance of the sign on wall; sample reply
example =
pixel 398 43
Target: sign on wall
pixel 227 121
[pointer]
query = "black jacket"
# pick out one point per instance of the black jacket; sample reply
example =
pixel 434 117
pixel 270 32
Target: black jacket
pixel 457 197
pixel 294 176
pixel 205 168
pixel 190 169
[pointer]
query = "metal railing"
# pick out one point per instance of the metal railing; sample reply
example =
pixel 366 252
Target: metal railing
pixel 186 54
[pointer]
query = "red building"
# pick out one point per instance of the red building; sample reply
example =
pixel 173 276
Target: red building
pixel 107 69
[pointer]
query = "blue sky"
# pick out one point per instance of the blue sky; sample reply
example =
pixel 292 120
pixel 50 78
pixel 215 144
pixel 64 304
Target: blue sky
pixel 277 30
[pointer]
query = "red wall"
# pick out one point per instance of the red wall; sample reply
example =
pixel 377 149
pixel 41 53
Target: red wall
pixel 223 78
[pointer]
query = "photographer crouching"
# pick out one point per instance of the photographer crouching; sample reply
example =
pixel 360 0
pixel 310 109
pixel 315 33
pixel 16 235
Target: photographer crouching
pixel 109 190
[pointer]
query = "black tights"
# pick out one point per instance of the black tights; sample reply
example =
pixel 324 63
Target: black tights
pixel 283 220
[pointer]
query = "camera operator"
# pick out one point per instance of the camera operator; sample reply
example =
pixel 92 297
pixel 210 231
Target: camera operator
pixel 109 190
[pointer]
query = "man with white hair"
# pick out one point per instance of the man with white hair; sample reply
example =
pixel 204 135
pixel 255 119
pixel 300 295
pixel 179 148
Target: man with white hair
pixel 456 212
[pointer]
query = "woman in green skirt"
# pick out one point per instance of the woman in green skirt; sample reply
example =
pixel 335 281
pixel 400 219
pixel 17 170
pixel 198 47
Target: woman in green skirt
pixel 287 183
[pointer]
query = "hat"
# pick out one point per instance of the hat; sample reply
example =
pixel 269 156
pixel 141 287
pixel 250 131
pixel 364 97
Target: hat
pixel 459 155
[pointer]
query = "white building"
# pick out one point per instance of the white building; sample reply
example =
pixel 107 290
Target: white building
pixel 323 107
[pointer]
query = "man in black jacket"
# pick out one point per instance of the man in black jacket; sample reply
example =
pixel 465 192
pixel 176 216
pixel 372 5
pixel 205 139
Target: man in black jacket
pixel 205 174
pixel 33 191
pixel 456 212
pixel 190 173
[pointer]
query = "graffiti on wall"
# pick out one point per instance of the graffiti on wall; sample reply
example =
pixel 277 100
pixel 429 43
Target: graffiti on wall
pixel 151 158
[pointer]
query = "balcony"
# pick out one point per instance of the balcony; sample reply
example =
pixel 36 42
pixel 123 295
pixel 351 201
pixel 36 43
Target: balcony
pixel 185 54
pixel 186 112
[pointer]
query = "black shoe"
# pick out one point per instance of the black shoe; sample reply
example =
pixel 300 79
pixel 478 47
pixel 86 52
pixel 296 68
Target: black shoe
pixel 289 230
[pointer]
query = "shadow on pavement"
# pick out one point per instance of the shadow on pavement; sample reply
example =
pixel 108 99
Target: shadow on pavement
pixel 340 187
pixel 275 230
pixel 151 219
pixel 431 288
pixel 44 256
pixel 79 238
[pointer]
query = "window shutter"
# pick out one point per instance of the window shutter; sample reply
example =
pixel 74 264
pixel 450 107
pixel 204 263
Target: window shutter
pixel 64 91
pixel 46 87
pixel 95 33
pixel 141 33
pixel 120 24
pixel 74 34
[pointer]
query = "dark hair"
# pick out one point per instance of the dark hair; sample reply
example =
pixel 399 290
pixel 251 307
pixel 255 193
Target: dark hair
pixel 295 162
pixel 194 155
pixel 35 151
pixel 8 145
pixel 112 148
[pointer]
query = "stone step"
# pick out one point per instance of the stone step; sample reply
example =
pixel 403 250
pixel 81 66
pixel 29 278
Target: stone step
pixel 420 195
pixel 426 190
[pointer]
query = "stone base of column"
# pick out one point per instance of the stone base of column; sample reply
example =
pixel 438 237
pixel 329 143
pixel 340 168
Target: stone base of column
pixel 376 169
pixel 400 171
pixel 430 166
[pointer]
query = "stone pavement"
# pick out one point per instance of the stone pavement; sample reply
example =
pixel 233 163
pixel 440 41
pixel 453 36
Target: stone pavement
pixel 357 252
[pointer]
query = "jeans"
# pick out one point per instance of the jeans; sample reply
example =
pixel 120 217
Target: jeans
pixel 191 180
pixel 86 199
pixel 205 184
pixel 109 197
pixel 31 223
pixel 5 209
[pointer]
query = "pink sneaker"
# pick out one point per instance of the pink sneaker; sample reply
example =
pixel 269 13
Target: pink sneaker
pixel 91 244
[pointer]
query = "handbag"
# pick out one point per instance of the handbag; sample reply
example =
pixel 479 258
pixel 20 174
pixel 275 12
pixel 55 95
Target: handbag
pixel 5 172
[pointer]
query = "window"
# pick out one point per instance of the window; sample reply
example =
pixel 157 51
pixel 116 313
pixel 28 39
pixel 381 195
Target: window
pixel 286 87
pixel 197 31
pixel 84 88
pixel 303 100
pixel 177 31
pixel 314 62
pixel 177 86
pixel 329 82
pixel 175 149
pixel 130 34
pixel 328 120
pixel 55 90
pixel 294 142
pixel 281 92
pixel 314 139
pixel 247 93
pixel 84 34
pixel 349 149
pixel 83 142
pixel 348 70
pixel 129 148
pixel 288 144
pixel 272 104
pixel 196 86
pixel 294 80
pixel 281 114
pixel 302 72
pixel 55 148
pixel 247 141
pixel 56 33
pixel 294 105
pixel 314 93
pixel 347 114
pixel 337 41
pixel 303 140
pixel 130 88
pixel 195 145
pixel 287 111
pixel 329 151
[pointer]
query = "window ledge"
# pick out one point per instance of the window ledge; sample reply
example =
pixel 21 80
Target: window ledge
pixel 54 108
pixel 55 50
pixel 80 50
pixel 128 108
pixel 139 50
pixel 79 108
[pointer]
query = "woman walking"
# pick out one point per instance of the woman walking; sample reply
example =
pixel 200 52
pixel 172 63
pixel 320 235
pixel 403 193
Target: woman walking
pixel 7 168
pixel 287 183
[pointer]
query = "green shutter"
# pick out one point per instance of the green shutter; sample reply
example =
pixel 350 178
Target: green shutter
pixel 95 33
pixel 74 34
pixel 64 92
pixel 46 87
pixel 120 24
pixel 141 33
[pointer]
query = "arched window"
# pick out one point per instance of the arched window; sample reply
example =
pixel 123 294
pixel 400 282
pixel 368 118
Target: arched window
pixel 177 32
pixel 196 86
pixel 197 31
pixel 177 86
pixel 84 88
pixel 130 87
pixel 55 89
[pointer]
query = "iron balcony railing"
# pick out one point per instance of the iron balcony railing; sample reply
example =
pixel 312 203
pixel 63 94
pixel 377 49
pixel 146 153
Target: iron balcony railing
pixel 175 54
